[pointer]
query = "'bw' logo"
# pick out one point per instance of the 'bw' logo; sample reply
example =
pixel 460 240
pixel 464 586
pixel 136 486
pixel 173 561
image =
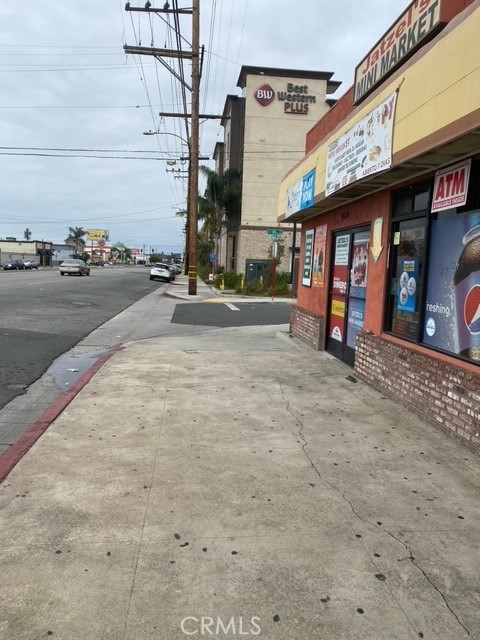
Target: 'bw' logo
pixel 264 95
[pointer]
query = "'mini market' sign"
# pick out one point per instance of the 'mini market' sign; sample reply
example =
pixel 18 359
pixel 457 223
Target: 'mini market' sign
pixel 418 24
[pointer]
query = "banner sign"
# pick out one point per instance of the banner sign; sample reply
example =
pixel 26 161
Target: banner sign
pixel 301 195
pixel 364 149
pixel 451 187
pixel 415 27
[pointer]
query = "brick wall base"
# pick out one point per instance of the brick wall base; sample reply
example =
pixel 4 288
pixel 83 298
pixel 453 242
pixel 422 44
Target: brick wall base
pixel 442 394
pixel 308 327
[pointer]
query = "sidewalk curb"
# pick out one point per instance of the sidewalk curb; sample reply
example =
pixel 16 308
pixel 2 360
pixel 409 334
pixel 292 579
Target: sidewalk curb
pixel 16 452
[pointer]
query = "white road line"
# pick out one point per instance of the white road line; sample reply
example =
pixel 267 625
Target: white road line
pixel 231 306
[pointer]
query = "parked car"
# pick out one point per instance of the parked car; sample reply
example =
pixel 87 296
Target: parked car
pixel 31 264
pixel 74 266
pixel 14 264
pixel 161 272
pixel 173 272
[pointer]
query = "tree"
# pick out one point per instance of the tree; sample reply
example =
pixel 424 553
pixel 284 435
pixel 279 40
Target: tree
pixel 75 236
pixel 220 205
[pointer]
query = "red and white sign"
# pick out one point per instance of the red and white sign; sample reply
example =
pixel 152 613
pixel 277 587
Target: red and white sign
pixel 264 95
pixel 451 187
pixel 419 22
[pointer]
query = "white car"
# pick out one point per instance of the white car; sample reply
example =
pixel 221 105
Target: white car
pixel 73 266
pixel 160 272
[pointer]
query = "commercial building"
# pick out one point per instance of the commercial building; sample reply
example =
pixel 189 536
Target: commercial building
pixel 389 276
pixel 264 132
pixel 38 250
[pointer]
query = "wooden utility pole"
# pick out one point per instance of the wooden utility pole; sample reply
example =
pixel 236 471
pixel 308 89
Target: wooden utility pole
pixel 192 221
pixel 193 142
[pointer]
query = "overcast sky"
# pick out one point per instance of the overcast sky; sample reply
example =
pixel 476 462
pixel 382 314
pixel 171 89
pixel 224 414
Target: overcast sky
pixel 68 92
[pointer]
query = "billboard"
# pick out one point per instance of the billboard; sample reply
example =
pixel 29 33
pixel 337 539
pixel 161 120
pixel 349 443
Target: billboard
pixel 97 234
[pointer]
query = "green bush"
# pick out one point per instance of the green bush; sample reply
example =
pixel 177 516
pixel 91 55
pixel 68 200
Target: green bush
pixel 230 279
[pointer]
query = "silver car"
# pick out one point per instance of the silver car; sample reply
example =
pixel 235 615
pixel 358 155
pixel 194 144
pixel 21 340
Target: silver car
pixel 73 266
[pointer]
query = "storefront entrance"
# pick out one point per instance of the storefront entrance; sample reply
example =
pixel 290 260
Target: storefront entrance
pixel 348 289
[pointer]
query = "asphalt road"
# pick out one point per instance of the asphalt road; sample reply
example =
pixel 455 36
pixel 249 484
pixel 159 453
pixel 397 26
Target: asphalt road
pixel 43 315
pixel 237 314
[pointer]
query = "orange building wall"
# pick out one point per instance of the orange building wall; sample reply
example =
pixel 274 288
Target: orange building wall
pixel 315 299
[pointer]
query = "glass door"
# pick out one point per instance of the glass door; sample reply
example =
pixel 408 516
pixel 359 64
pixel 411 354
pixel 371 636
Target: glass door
pixel 348 289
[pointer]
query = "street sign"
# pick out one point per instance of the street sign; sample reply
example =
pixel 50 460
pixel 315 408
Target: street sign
pixel 275 233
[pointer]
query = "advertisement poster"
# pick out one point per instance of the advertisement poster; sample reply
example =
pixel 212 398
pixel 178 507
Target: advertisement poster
pixel 308 190
pixel 356 319
pixel 358 273
pixel 337 318
pixel 407 294
pixel 307 258
pixel 452 312
pixel 301 195
pixel 364 149
pixel 319 256
pixel 342 248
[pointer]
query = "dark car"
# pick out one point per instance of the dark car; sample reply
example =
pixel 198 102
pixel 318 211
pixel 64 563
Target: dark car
pixel 14 264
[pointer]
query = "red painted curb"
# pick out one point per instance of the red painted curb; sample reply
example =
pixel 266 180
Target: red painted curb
pixel 16 452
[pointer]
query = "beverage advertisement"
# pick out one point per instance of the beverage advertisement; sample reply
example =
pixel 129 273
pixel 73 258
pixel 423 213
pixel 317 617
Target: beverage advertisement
pixel 452 312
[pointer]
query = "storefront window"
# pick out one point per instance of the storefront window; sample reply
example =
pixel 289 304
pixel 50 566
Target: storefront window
pixel 407 261
pixel 407 254
pixel 452 304
pixel 436 304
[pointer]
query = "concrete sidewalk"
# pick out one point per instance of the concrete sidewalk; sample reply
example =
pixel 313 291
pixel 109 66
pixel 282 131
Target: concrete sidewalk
pixel 238 483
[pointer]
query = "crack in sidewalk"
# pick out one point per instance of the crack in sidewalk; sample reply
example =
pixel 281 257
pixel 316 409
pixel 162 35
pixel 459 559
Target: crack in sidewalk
pixel 411 557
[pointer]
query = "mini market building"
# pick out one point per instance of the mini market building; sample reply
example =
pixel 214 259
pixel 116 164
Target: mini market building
pixel 388 197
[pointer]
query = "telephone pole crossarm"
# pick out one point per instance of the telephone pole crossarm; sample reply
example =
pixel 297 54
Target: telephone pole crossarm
pixel 153 10
pixel 154 51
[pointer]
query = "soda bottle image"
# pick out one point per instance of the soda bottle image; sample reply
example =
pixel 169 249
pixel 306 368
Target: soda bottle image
pixel 466 283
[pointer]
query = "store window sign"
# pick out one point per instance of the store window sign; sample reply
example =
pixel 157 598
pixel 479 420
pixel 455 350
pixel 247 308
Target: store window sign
pixel 414 27
pixel 407 295
pixel 452 308
pixel 308 258
pixel 451 187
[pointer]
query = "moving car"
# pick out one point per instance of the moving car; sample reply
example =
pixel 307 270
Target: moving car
pixel 73 266
pixel 161 272
pixel 14 264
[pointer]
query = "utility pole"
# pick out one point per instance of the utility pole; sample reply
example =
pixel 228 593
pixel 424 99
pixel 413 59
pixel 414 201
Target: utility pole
pixel 193 142
pixel 194 152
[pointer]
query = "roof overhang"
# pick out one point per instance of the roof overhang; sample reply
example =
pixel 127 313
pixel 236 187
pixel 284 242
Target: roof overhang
pixel 400 172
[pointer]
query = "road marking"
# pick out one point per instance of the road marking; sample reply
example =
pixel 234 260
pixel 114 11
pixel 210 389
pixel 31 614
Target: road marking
pixel 231 306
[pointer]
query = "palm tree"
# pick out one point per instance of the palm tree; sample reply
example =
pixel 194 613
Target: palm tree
pixel 75 235
pixel 220 205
